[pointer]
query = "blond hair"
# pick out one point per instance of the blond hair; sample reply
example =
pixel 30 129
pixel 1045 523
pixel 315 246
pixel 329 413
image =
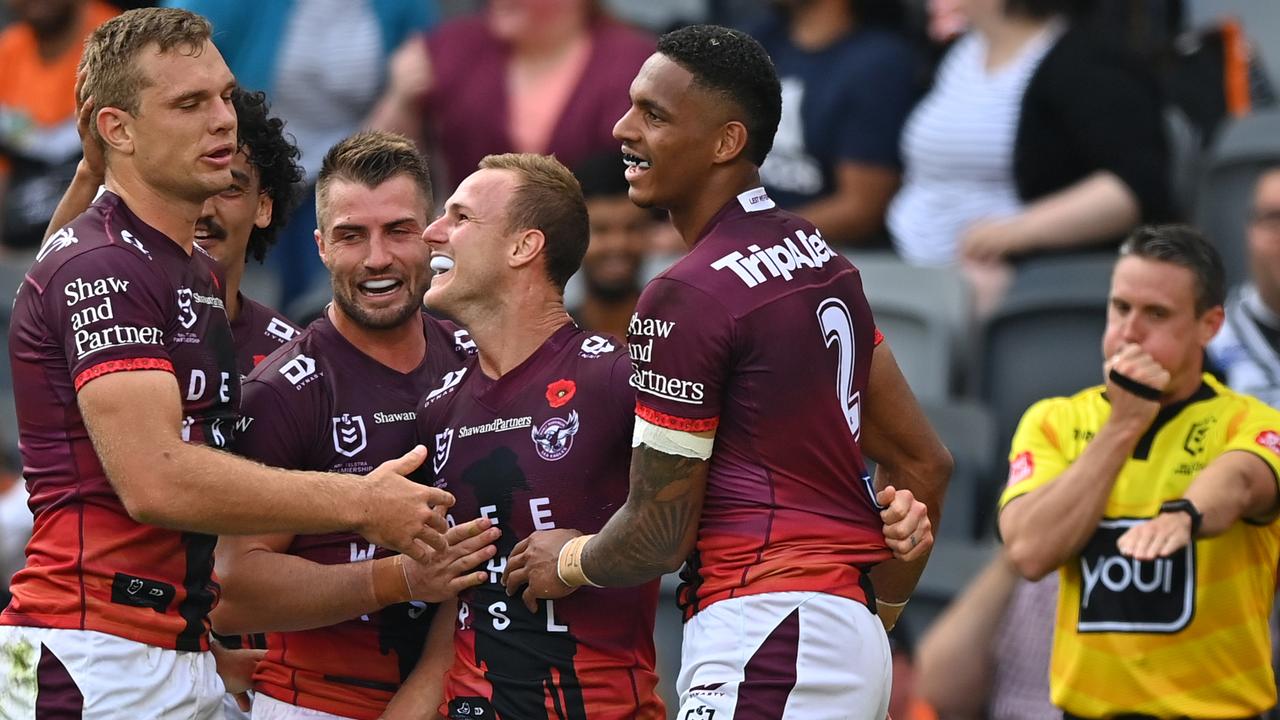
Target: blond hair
pixel 547 198
pixel 109 69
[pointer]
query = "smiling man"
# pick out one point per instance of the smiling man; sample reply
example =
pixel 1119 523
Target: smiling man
pixel 341 398
pixel 761 381
pixel 532 434
pixel 125 382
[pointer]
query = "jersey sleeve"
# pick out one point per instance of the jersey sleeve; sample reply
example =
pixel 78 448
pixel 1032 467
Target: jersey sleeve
pixel 622 397
pixel 268 431
pixel 110 312
pixel 681 342
pixel 1256 430
pixel 1036 456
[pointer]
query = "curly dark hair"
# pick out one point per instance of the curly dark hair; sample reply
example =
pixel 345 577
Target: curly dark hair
pixel 274 155
pixel 735 65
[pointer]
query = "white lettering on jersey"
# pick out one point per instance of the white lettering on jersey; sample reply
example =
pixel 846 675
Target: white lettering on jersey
pixel 381 417
pixel 649 327
pixel 499 425
pixel 779 260
pixel 298 369
pixel 280 330
pixel 128 237
pixel 88 342
pixel 359 554
pixel 78 290
pixel 447 384
pixel 540 513
pixel 667 388
pixel 463 342
pixel 243 423
pixel 595 346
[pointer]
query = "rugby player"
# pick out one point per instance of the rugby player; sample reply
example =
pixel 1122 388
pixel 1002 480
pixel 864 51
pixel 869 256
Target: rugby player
pixel 126 383
pixel 341 398
pixel 533 434
pixel 761 382
pixel 235 225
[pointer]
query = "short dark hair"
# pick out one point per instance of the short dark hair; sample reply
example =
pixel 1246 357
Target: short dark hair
pixel 733 64
pixel 1185 246
pixel 547 198
pixel 371 158
pixel 275 157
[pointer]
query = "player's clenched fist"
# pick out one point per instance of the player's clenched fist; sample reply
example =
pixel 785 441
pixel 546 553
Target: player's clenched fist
pixel 907 530
pixel 400 514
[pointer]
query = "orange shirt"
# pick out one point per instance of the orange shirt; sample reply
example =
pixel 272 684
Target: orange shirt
pixel 36 92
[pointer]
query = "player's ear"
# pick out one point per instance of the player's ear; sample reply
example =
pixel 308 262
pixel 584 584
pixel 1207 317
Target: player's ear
pixel 1210 323
pixel 320 246
pixel 732 142
pixel 266 206
pixel 528 245
pixel 116 128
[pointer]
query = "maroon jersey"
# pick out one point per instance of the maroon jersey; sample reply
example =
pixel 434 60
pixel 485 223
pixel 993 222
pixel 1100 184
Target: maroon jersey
pixel 106 294
pixel 547 445
pixel 259 331
pixel 322 404
pixel 762 334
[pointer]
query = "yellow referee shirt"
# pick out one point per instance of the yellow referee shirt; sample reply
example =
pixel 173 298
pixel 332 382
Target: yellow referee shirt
pixel 1182 636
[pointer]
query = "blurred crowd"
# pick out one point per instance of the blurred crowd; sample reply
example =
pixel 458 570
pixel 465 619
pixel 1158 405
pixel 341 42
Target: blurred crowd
pixel 979 160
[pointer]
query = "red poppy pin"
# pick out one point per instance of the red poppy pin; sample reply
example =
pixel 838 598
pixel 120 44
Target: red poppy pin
pixel 560 392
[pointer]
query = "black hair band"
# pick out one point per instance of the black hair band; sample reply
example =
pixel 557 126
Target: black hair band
pixel 1142 390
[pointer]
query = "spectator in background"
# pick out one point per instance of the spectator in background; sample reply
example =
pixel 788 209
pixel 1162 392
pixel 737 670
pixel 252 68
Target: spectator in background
pixel 622 237
pixel 848 82
pixel 1036 137
pixel 323 63
pixel 1247 350
pixel 39 147
pixel 987 655
pixel 530 76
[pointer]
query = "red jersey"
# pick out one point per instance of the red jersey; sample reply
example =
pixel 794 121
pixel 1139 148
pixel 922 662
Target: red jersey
pixel 546 445
pixel 109 293
pixel 322 404
pixel 762 333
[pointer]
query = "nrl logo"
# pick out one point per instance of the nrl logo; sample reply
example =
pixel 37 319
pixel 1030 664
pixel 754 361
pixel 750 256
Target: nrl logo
pixel 444 443
pixel 186 312
pixel 348 434
pixel 554 438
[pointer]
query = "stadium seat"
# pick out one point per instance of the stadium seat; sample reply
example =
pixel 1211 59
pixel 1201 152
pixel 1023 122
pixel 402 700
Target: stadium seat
pixel 952 565
pixel 668 635
pixel 924 313
pixel 968 430
pixel 1245 147
pixel 1045 338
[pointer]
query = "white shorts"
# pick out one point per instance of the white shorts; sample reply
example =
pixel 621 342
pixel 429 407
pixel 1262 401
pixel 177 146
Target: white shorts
pixel 266 707
pixel 798 655
pixel 57 674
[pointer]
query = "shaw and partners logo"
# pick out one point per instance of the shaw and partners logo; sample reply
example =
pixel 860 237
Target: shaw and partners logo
pixel 778 261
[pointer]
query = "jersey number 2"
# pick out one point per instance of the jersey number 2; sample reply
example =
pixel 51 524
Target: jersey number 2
pixel 837 329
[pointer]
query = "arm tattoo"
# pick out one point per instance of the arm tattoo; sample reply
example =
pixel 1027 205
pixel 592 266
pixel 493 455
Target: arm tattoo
pixel 656 528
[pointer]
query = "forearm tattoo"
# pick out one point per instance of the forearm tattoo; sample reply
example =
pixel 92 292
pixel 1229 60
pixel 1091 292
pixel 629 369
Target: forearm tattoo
pixel 656 526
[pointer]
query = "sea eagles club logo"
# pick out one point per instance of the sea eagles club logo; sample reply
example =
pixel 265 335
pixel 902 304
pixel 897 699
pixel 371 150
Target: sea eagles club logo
pixel 554 438
pixel 444 443
pixel 348 434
